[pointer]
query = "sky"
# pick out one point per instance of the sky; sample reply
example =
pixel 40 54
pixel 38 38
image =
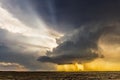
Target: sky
pixel 59 35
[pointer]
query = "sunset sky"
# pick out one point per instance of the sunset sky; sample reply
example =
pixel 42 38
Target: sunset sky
pixel 59 35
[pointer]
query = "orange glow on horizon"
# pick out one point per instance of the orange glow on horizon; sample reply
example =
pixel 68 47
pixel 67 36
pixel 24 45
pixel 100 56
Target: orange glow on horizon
pixel 102 65
pixel 96 65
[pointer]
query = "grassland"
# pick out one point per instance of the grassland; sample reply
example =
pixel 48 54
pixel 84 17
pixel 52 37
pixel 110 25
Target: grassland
pixel 59 75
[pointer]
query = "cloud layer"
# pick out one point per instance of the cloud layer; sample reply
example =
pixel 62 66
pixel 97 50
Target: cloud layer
pixel 90 21
pixel 38 33
pixel 81 46
pixel 21 43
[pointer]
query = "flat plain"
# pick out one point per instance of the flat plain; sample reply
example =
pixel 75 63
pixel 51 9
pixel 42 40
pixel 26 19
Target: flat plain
pixel 59 75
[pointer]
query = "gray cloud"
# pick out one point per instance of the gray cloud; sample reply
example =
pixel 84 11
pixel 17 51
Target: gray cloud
pixel 71 14
pixel 19 46
pixel 82 46
pixel 84 23
pixel 14 51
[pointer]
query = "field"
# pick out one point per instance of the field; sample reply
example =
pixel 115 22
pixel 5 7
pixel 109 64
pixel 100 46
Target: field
pixel 59 75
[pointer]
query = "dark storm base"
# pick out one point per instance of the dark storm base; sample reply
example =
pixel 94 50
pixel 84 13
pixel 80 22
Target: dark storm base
pixel 59 75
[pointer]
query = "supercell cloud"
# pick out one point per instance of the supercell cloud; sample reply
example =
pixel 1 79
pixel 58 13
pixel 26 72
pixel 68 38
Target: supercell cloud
pixel 90 21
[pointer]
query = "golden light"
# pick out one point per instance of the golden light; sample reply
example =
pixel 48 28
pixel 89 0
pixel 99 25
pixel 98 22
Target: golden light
pixel 70 67
pixel 96 65
pixel 102 65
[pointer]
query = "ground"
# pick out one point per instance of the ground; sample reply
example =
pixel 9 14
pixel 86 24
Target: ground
pixel 59 75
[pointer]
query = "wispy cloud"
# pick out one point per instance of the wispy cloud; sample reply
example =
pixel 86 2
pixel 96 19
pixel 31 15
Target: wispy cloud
pixel 23 43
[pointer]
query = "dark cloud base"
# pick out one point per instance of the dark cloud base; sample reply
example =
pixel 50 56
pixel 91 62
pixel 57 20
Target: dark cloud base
pixel 91 19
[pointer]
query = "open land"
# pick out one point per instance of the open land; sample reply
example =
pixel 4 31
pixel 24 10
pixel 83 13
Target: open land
pixel 59 75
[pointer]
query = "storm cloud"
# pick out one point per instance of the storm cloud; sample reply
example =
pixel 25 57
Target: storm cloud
pixel 90 21
pixel 80 47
